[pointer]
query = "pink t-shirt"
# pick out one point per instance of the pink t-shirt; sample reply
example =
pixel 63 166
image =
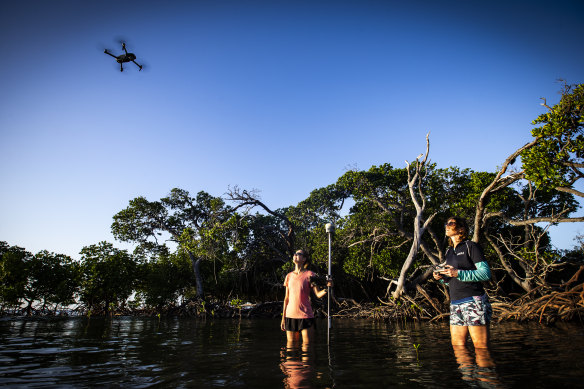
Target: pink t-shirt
pixel 299 295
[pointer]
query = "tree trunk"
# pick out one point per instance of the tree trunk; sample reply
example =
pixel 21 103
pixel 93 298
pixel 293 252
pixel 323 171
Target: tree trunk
pixel 29 307
pixel 198 278
pixel 406 266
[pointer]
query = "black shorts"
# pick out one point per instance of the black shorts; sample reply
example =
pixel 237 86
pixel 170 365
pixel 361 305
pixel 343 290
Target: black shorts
pixel 296 325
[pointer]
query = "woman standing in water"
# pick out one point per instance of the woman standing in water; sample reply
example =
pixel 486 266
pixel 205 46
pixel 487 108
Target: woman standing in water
pixel 466 268
pixel 298 316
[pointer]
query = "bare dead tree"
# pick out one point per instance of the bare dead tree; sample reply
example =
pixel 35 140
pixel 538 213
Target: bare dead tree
pixel 247 200
pixel 416 175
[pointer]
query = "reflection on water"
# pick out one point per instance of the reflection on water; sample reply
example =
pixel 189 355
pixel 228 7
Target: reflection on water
pixel 478 369
pixel 302 366
pixel 298 366
pixel 147 352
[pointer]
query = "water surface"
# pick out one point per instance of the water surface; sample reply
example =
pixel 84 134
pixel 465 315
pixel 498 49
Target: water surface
pixel 147 352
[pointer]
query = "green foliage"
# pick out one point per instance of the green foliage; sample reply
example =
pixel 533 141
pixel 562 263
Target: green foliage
pixel 52 278
pixel 236 303
pixel 45 277
pixel 108 275
pixel 251 260
pixel 163 280
pixel 371 230
pixel 556 159
pixel 322 205
pixel 13 276
pixel 195 224
pixel 417 347
pixel 356 263
pixel 140 221
pixel 455 191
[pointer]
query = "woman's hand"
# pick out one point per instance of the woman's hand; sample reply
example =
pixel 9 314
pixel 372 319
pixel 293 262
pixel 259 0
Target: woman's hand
pixel 437 275
pixel 282 324
pixel 450 272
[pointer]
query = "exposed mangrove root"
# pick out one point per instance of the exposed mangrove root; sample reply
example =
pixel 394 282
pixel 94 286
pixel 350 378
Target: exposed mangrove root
pixel 563 306
pixel 417 307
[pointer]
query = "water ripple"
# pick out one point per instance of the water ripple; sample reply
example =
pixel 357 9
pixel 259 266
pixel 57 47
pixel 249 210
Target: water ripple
pixel 141 352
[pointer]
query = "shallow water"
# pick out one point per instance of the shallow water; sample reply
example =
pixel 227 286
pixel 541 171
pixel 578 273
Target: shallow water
pixel 146 352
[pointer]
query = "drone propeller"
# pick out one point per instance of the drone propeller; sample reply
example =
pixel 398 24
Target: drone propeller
pixel 101 47
pixel 121 40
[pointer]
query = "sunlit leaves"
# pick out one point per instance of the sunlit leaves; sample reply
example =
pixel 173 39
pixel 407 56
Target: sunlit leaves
pixel 556 160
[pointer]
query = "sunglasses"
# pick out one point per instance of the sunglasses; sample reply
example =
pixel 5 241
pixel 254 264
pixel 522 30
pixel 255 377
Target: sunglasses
pixel 450 224
pixel 298 254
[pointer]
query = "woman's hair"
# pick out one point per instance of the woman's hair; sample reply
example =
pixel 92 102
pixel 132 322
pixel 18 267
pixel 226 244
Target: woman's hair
pixel 461 228
pixel 306 257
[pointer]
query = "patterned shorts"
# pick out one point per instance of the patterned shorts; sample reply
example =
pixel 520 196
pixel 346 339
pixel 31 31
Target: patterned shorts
pixel 477 311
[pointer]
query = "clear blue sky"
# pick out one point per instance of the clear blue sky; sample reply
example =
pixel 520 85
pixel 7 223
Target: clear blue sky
pixel 280 96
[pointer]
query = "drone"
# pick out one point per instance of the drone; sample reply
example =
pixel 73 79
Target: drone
pixel 127 57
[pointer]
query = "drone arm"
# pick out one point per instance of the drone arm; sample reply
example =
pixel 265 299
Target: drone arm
pixel 140 66
pixel 108 53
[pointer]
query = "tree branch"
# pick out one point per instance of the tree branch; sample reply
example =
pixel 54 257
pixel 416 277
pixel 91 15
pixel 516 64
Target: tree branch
pixel 498 183
pixel 570 190
pixel 534 220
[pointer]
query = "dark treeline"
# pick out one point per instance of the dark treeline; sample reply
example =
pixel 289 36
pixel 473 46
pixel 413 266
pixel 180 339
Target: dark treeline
pixel 389 232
